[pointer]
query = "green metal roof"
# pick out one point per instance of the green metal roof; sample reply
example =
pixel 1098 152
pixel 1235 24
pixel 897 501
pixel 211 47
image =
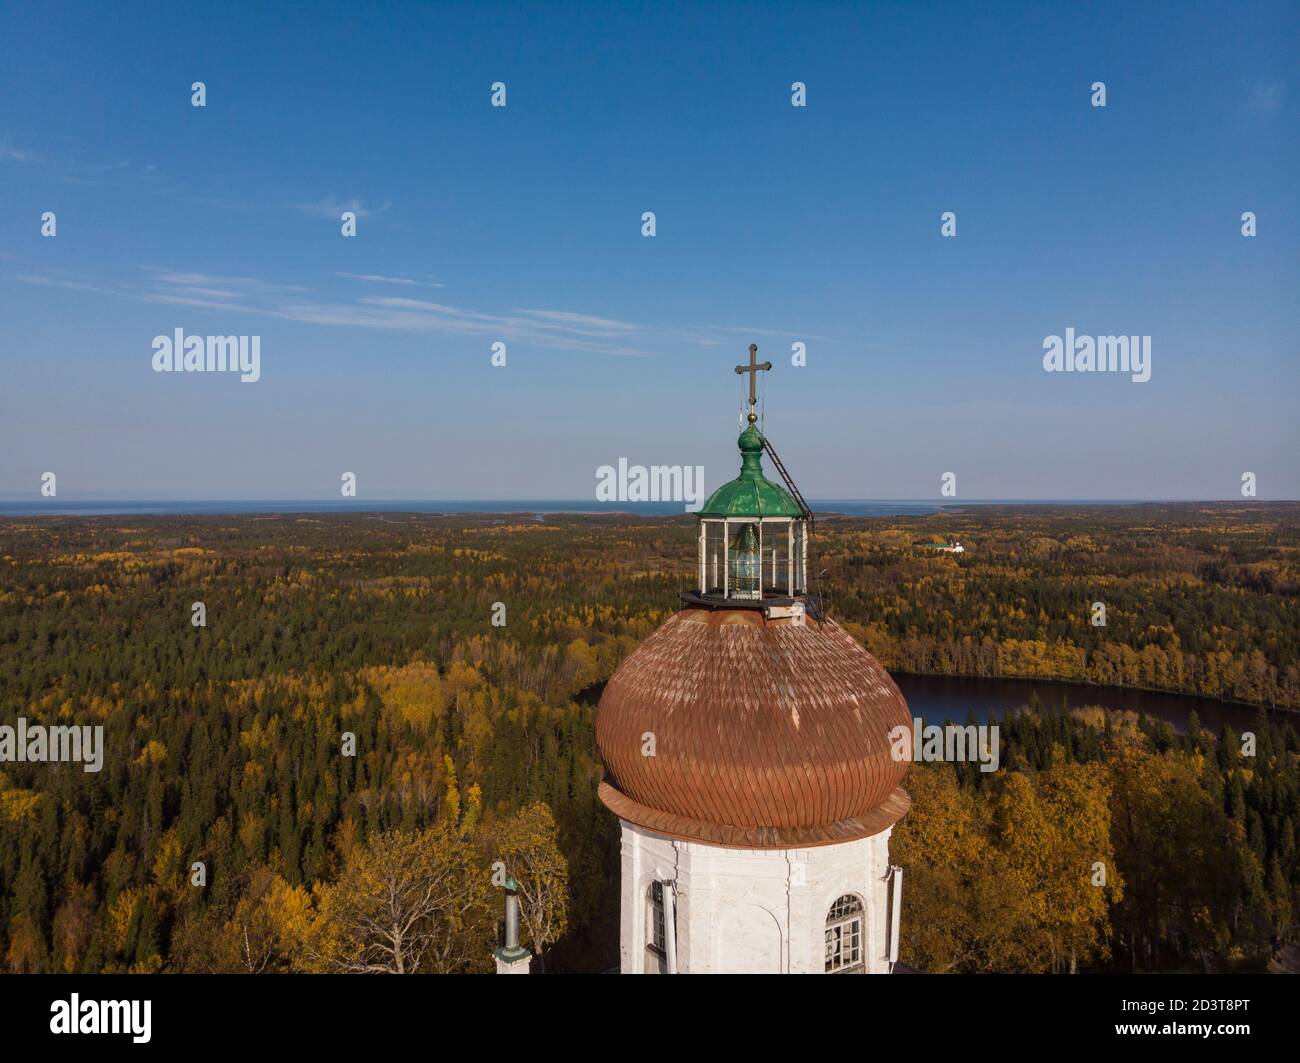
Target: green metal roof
pixel 751 494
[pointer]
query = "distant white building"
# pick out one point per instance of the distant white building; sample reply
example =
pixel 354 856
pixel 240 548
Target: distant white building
pixel 951 547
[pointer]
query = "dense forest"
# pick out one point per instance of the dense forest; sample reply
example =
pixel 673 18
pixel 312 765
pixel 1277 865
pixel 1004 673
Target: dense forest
pixel 1201 599
pixel 375 702
pixel 1107 842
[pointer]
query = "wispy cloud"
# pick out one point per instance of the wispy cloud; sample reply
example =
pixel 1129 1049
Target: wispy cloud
pixel 8 153
pixel 380 279
pixel 750 331
pixel 586 323
pixel 59 282
pixel 419 315
pixel 555 329
pixel 332 207
pixel 248 285
pixel 70 170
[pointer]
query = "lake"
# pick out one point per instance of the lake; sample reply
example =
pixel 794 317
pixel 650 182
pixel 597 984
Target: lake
pixel 936 698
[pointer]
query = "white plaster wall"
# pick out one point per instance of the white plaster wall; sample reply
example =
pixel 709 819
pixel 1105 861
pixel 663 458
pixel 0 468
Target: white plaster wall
pixel 751 910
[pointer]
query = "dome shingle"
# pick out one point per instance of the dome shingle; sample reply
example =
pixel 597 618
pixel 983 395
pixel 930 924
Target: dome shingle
pixel 767 733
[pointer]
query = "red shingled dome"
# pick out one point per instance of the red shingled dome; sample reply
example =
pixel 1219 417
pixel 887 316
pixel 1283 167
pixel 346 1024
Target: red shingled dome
pixel 768 734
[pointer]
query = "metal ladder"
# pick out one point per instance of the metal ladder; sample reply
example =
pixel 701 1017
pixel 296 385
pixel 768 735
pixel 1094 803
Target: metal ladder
pixel 819 600
pixel 789 483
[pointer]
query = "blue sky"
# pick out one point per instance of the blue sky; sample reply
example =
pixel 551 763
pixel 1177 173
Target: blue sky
pixel 775 224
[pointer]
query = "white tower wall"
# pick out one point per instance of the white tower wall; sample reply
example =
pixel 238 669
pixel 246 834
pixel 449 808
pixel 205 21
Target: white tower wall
pixel 750 911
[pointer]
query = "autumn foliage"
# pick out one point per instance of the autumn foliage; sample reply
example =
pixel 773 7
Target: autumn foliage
pixel 473 742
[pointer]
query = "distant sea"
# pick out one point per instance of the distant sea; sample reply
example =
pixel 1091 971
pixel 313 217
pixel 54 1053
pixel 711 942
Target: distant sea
pixel 181 507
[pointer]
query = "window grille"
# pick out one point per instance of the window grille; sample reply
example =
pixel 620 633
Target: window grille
pixel 844 936
pixel 657 933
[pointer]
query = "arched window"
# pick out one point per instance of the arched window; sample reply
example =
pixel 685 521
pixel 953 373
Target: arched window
pixel 656 930
pixel 844 936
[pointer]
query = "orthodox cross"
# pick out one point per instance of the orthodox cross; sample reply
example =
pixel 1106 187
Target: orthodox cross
pixel 753 369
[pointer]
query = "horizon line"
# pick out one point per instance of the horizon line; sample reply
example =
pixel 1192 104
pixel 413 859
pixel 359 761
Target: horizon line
pixel 353 503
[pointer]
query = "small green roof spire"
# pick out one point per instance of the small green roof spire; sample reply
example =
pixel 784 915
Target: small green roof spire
pixel 751 494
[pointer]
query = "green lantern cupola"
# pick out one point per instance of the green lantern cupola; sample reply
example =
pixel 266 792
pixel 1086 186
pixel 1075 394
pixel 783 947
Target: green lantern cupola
pixel 751 494
pixel 753 548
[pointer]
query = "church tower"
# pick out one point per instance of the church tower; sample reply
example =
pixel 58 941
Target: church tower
pixel 747 757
